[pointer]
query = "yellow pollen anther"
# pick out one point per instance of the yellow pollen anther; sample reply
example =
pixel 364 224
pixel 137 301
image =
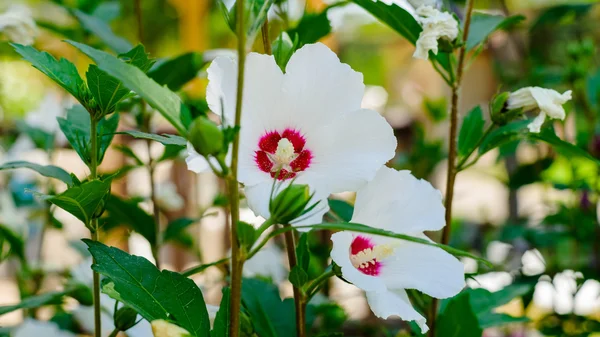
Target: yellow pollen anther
pixel 368 256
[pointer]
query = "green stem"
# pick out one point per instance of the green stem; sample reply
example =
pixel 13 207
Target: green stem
pixel 155 209
pixel 265 225
pixel 94 224
pixel 237 260
pixel 114 333
pixel 451 175
pixel 315 285
pixel 460 166
pixel 299 300
pixel 265 37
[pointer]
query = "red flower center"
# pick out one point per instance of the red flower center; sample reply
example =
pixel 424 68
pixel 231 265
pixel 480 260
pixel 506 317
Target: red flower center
pixel 364 256
pixel 282 155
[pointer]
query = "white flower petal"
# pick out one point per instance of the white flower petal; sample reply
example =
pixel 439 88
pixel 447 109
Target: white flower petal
pixel 425 268
pixel 397 201
pixel 319 88
pixel 395 303
pixel 548 101
pixel 267 263
pixel 349 151
pixel 340 254
pixel 196 162
pixel 436 25
pixel 18 25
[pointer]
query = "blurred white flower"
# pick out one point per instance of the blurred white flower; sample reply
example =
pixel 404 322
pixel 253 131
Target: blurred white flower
pixel 301 124
pixel 385 267
pixel 436 25
pixel 162 328
pixel 548 101
pixel 559 294
pixel 167 197
pixel 587 299
pixel 35 328
pixel 493 281
pixel 349 17
pixel 419 3
pixel 533 262
pixel 44 117
pixel 18 25
pixel 497 251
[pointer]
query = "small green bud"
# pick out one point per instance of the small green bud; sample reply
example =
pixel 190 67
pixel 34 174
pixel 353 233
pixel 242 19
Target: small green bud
pixel 498 108
pixel 162 328
pixel 290 203
pixel 206 137
pixel 125 318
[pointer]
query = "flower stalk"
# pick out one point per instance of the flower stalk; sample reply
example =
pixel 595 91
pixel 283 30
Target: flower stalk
pixel 299 297
pixel 452 153
pixel 237 260
pixel 94 224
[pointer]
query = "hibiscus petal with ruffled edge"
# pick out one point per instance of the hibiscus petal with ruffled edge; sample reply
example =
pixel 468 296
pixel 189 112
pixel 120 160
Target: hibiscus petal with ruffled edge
pixel 385 304
pixel 399 202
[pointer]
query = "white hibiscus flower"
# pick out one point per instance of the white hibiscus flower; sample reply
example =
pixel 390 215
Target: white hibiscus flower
pixel 32 327
pixel 385 267
pixel 548 101
pixel 17 24
pixel 436 25
pixel 167 197
pixel 305 124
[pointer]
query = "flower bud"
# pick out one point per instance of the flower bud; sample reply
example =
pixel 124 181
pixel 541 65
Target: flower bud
pixel 206 137
pixel 162 328
pixel 125 318
pixel 500 115
pixel 290 203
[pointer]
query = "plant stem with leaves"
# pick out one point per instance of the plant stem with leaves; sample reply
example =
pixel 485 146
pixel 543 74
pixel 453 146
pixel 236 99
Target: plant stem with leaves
pixel 94 224
pixel 452 153
pixel 299 298
pixel 237 260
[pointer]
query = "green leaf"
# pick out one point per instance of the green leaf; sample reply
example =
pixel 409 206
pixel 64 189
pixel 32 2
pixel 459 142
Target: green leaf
pixel 106 90
pixel 246 234
pixel 160 98
pixel 138 57
pixel 153 294
pixel 311 28
pixel 341 209
pixel 270 316
pixel 40 138
pixel 567 149
pixel 50 171
pixel 175 227
pixel 484 302
pixel 298 277
pixel 63 72
pixel 458 319
pixel 39 300
pixel 103 31
pixel 202 267
pixel 504 135
pixel 302 252
pixel 482 25
pixel 283 48
pixel 221 324
pixel 16 244
pixel 128 152
pixel 255 15
pixel 177 71
pixel 129 213
pixel 164 139
pixel 470 131
pixel 82 201
pixel 77 129
pixel 394 16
